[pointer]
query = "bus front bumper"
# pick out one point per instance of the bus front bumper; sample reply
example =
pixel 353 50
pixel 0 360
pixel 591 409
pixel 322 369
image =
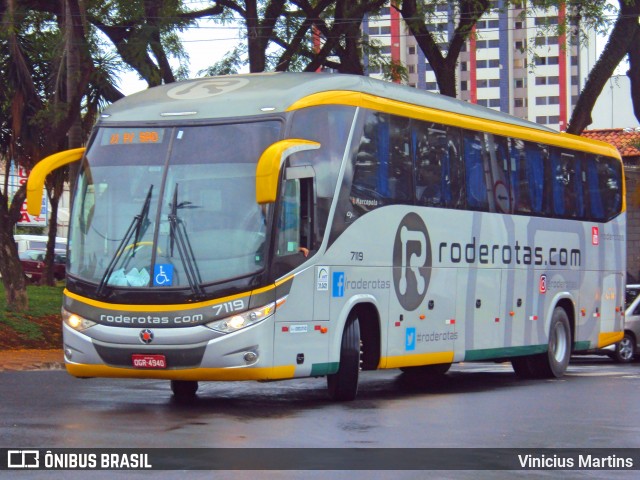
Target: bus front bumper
pixel 242 355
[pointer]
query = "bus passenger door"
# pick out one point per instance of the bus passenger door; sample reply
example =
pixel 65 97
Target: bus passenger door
pixel 301 323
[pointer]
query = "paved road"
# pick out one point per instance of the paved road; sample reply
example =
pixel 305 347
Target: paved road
pixel 475 405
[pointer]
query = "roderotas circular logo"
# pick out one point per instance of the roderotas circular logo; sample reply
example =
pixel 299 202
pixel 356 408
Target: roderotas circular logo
pixel 411 261
pixel 206 88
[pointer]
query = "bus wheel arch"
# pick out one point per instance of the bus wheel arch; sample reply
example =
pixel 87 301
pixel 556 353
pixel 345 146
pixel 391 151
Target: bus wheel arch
pixel 369 319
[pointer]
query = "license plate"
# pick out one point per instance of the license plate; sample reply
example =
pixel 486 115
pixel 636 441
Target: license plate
pixel 149 361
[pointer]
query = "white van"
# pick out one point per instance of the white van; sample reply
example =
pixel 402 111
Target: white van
pixel 29 242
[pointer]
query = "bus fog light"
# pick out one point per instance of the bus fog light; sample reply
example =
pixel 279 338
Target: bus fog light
pixel 250 357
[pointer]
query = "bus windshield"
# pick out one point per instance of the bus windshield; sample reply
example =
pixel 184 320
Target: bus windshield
pixel 170 207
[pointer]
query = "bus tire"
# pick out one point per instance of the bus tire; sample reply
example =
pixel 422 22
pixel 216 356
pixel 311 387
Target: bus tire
pixel 523 366
pixel 554 362
pixel 343 385
pixel 184 389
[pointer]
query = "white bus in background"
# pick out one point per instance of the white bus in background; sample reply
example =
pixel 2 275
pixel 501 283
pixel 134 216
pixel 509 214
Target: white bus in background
pixel 274 226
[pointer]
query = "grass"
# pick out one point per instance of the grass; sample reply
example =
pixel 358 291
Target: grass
pixel 43 301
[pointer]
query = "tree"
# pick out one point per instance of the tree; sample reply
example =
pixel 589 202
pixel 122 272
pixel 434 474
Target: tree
pixel 634 72
pixel 418 15
pixel 626 31
pixel 299 35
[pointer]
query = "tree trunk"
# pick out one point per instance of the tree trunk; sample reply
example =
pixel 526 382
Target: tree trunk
pixel 617 46
pixel 13 278
pixel 634 72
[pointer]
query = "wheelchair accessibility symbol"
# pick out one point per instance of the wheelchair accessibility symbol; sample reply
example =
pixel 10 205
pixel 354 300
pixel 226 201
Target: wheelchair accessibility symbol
pixel 163 275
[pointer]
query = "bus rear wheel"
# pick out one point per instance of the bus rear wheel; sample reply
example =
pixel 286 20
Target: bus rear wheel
pixel 343 385
pixel 184 389
pixel 554 362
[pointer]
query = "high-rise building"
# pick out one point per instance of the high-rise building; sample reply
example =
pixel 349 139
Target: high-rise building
pixel 515 61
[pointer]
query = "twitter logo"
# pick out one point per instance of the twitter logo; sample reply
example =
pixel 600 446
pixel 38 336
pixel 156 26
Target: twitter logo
pixel 410 339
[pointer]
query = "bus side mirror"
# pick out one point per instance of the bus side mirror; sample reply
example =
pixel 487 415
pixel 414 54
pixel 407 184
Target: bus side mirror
pixel 270 162
pixel 35 182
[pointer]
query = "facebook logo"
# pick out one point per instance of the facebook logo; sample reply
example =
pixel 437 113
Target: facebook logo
pixel 338 284
pixel 410 339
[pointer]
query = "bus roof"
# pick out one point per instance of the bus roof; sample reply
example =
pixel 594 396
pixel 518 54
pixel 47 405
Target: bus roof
pixel 267 93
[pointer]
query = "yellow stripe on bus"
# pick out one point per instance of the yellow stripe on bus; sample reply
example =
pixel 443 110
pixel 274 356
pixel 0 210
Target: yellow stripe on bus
pixel 609 338
pixel 395 107
pixel 416 360
pixel 196 374
pixel 160 308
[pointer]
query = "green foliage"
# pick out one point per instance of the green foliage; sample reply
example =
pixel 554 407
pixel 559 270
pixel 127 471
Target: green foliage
pixel 43 301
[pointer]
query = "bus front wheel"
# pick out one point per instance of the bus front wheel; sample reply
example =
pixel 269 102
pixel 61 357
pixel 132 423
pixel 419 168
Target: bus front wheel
pixel 343 385
pixel 184 389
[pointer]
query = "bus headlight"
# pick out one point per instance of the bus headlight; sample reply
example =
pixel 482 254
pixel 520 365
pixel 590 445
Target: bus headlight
pixel 243 320
pixel 76 322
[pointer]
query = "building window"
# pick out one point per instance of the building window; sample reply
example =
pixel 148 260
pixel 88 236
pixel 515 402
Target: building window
pixel 412 50
pixel 545 21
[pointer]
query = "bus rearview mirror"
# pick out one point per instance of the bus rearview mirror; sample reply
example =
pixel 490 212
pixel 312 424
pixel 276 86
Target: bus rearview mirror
pixel 35 182
pixel 270 163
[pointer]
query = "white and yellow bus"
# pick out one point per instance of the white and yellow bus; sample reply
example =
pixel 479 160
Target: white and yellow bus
pixel 275 226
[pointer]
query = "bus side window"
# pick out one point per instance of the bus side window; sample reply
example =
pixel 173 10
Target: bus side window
pixel 474 156
pixel 453 170
pixel 383 168
pixel 295 239
pixel 429 169
pixel 604 187
pixel 536 178
pixel 519 178
pixel 373 150
pixel 563 183
pixel 295 223
pixel 499 169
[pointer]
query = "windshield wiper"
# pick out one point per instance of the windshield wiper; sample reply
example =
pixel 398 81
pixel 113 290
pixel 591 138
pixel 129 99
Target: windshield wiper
pixel 178 235
pixel 138 227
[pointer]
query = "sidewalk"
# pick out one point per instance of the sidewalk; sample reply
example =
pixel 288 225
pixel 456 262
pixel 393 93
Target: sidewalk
pixel 31 360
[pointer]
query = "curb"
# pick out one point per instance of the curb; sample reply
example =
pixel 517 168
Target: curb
pixel 19 360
